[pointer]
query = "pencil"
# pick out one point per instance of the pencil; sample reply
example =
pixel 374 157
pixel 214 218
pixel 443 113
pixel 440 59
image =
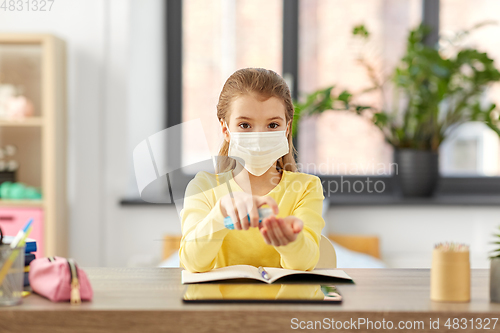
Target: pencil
pixel 8 263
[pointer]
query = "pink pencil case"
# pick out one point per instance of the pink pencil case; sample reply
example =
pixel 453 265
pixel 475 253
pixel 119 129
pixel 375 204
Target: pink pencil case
pixel 59 279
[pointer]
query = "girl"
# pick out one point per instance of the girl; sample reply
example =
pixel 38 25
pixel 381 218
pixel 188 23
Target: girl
pixel 255 111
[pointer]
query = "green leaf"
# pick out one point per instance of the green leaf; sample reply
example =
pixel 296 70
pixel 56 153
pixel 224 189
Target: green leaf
pixel 344 96
pixel 360 108
pixel 360 30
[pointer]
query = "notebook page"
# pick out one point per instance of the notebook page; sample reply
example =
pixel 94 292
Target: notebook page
pixel 223 273
pixel 276 273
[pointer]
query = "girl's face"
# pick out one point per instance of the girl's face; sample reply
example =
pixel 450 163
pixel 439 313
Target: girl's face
pixel 250 114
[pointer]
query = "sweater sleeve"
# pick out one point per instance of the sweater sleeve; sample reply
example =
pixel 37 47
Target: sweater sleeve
pixel 303 253
pixel 202 227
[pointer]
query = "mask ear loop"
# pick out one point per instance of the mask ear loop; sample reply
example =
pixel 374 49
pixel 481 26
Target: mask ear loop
pixel 227 127
pixel 227 182
pixel 281 159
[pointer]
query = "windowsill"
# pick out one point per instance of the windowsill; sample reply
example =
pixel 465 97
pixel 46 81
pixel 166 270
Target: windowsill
pixel 451 191
pixel 376 200
pixel 436 200
pixel 138 202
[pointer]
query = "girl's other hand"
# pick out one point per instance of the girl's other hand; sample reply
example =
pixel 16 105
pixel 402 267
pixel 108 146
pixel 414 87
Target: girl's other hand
pixel 243 204
pixel 280 231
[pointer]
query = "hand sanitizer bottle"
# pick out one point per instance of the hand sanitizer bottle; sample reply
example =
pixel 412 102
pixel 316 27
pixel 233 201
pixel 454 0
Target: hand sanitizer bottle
pixel 263 213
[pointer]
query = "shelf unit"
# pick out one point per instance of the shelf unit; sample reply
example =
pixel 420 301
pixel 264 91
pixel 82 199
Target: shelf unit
pixel 37 62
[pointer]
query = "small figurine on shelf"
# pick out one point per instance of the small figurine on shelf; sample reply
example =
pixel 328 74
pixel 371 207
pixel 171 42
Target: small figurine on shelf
pixel 19 191
pixel 13 105
pixel 9 150
pixel 7 91
pixel 19 108
pixel 8 168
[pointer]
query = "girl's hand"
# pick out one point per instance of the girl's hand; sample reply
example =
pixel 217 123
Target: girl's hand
pixel 280 231
pixel 243 204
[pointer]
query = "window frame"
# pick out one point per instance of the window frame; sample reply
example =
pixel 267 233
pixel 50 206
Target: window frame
pixel 472 190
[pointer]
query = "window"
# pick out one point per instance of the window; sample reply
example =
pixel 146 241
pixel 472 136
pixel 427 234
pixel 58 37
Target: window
pixel 345 143
pixel 220 37
pixel 474 149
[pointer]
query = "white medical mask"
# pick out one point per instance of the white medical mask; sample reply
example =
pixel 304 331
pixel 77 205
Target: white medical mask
pixel 259 150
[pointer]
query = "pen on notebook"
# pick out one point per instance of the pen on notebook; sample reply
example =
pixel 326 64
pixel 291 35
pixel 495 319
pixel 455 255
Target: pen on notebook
pixel 263 273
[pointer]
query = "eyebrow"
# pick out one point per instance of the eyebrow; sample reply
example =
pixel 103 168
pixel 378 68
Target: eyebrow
pixel 251 118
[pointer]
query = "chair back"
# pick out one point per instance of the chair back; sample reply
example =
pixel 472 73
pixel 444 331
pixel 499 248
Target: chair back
pixel 327 255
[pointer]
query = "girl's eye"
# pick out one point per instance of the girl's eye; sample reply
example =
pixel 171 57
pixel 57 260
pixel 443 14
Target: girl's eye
pixel 274 125
pixel 244 125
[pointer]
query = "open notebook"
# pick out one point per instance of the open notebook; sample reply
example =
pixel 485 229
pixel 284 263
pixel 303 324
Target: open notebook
pixel 251 272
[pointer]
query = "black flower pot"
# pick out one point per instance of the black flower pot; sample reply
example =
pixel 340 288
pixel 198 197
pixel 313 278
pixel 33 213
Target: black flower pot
pixel 416 172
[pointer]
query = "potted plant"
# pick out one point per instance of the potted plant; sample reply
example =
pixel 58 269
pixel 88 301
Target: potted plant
pixel 434 93
pixel 495 272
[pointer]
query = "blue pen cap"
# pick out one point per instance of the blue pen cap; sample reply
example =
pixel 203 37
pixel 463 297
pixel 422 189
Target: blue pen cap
pixel 263 213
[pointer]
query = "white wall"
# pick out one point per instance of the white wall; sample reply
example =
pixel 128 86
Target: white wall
pixel 135 111
pixel 408 233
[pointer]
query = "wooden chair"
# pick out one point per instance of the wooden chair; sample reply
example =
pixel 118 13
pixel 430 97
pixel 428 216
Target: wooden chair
pixel 367 244
pixel 327 255
pixel 171 244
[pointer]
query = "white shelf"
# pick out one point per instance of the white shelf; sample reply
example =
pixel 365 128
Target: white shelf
pixel 28 122
pixel 21 203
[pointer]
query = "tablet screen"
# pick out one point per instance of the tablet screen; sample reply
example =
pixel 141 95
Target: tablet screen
pixel 256 292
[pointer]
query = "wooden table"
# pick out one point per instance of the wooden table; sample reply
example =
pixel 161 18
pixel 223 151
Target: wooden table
pixel 149 300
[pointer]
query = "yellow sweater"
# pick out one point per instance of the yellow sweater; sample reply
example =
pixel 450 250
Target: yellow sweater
pixel 207 244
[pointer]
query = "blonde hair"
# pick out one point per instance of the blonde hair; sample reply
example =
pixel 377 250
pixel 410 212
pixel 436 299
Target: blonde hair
pixel 265 83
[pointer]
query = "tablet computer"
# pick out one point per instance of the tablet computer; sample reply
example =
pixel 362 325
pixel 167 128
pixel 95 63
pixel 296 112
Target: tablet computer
pixel 261 293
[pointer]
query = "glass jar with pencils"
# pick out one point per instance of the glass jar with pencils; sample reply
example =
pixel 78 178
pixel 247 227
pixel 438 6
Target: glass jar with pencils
pixel 11 274
pixel 12 266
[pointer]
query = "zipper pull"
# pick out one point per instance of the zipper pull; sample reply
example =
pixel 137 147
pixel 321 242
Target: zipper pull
pixel 75 292
pixel 75 297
